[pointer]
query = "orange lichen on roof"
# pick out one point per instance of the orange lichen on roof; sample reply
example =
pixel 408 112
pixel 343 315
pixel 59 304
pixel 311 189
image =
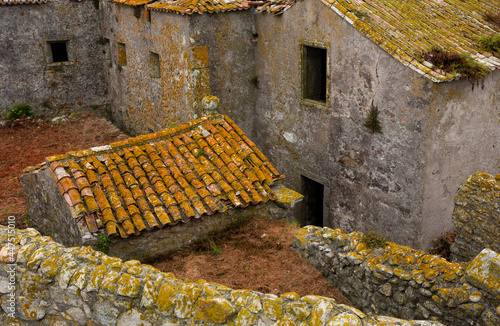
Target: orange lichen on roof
pixel 151 181
pixel 22 2
pixel 199 6
pixel 406 29
pixel 133 3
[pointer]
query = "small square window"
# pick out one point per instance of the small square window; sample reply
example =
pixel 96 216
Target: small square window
pixel 59 51
pixel 121 54
pixel 314 73
pixel 154 65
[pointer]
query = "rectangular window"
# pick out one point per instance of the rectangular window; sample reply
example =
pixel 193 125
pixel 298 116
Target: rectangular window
pixel 58 51
pixel 154 65
pixel 121 54
pixel 314 73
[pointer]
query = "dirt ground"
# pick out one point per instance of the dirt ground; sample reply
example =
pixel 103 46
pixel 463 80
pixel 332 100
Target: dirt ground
pixel 255 255
pixel 28 142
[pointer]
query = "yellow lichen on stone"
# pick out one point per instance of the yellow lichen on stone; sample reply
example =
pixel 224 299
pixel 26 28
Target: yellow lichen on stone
pixel 96 277
pixel 272 308
pixel 244 318
pixel 128 286
pixel 215 310
pixel 165 300
pixel 286 197
pixel 345 319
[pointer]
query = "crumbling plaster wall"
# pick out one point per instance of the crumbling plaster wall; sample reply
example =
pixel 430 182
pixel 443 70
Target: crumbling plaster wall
pixel 462 137
pixel 372 182
pixel 382 182
pixel 25 62
pixel 231 54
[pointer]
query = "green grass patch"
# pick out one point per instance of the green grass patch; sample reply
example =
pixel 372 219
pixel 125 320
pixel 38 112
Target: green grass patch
pixel 18 111
pixel 490 43
pixel 373 239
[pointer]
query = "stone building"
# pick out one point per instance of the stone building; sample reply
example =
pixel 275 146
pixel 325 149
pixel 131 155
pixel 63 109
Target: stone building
pixel 300 78
pixel 158 191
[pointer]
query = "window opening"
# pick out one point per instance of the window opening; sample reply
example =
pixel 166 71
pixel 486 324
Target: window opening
pixel 313 202
pixel 59 51
pixel 121 54
pixel 154 65
pixel 314 68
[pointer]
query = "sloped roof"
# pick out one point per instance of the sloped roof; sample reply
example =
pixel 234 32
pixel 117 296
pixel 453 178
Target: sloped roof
pixel 21 2
pixel 407 28
pixel 189 7
pixel 206 166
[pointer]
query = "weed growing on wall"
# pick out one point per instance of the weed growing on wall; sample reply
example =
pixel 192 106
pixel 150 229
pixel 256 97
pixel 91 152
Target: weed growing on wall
pixel 372 122
pixel 18 111
pixel 103 243
pixel 255 82
pixel 373 240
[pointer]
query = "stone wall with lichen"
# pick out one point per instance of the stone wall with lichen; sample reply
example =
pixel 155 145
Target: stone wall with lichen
pixel 403 282
pixel 198 56
pixel 142 102
pixel 477 216
pixel 28 73
pixel 54 285
pixel 401 181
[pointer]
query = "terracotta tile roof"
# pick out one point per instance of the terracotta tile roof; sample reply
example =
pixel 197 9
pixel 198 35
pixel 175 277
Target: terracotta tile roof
pixel 199 6
pixel 202 167
pixel 407 28
pixel 133 3
pixel 21 2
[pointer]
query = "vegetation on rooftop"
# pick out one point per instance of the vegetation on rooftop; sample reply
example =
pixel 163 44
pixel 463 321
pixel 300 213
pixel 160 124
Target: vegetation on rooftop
pixel 492 18
pixel 490 43
pixel 457 64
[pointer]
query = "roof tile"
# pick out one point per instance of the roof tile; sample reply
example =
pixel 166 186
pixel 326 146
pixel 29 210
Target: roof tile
pixel 175 176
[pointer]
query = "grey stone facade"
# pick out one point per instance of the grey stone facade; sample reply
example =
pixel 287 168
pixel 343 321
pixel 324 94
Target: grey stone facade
pixel 28 72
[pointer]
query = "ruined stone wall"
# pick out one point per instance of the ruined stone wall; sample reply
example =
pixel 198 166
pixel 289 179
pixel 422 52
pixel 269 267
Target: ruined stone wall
pixel 401 181
pixel 199 56
pixel 476 216
pixel 142 102
pixel 48 284
pixel 400 281
pixel 28 74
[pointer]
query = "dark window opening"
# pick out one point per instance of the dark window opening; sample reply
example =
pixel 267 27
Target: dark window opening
pixel 121 54
pixel 314 73
pixel 154 65
pixel 313 202
pixel 59 51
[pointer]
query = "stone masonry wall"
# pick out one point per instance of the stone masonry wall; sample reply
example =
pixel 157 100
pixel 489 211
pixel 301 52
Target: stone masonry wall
pixel 48 284
pixel 28 73
pixel 477 216
pixel 404 282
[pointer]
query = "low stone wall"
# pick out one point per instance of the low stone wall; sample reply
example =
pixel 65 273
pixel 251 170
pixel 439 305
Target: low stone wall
pixel 48 284
pixel 403 282
pixel 476 216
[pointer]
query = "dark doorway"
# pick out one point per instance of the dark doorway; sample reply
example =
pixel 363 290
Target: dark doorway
pixel 59 51
pixel 313 202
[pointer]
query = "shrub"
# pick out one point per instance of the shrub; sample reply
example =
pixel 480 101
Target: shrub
pixel 103 243
pixel 373 239
pixel 490 43
pixel 456 64
pixel 18 111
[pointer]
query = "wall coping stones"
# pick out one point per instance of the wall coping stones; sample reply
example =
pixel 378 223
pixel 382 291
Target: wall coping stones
pixel 105 290
pixel 404 282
